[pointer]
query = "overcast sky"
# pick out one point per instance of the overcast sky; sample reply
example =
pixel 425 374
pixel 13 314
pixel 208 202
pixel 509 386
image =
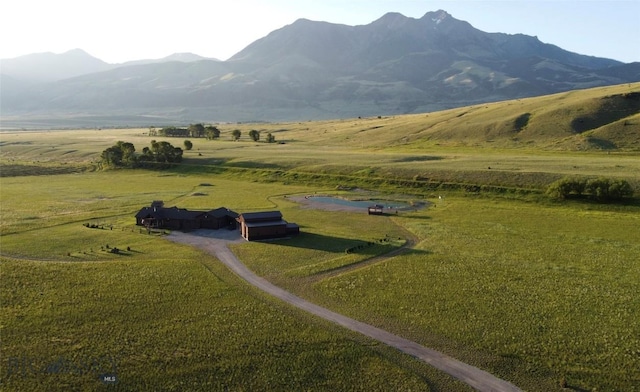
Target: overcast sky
pixel 121 30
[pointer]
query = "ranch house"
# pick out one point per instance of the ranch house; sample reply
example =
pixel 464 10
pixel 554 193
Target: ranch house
pixel 174 218
pixel 265 225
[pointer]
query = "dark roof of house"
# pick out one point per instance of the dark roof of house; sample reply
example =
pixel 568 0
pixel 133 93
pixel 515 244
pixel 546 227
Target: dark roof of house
pixel 262 216
pixel 168 213
pixel 144 211
pixel 179 213
pixel 156 211
pixel 222 212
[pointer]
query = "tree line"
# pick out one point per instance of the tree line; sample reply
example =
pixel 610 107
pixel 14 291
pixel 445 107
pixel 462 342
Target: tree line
pixel 194 130
pixel 603 190
pixel 209 132
pixel 123 154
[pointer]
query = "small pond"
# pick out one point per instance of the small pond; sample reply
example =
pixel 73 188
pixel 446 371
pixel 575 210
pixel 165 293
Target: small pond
pixel 391 204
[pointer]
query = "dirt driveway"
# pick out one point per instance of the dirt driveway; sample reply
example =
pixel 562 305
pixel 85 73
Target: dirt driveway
pixel 215 242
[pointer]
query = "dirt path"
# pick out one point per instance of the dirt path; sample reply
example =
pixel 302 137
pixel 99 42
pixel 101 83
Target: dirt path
pixel 474 377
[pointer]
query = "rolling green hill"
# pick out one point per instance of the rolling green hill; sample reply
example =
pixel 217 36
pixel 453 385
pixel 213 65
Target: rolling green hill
pixel 602 118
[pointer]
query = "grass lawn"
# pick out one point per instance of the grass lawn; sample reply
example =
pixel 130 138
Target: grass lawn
pixel 530 292
pixel 159 316
pixel 176 324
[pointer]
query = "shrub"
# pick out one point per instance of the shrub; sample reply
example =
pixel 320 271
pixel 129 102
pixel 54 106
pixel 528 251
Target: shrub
pixel 566 188
pixel 606 190
pixel 603 190
pixel 620 189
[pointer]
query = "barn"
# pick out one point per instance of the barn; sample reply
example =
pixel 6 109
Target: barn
pixel 265 225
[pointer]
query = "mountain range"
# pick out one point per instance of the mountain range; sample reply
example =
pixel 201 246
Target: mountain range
pixel 304 71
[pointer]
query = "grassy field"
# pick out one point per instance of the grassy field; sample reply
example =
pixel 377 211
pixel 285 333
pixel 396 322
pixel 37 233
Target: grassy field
pixel 533 289
pixel 159 316
pixel 176 323
pixel 530 292
pixel 493 273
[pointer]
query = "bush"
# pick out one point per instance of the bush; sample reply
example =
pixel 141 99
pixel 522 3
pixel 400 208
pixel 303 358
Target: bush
pixel 567 187
pixel 603 190
pixel 620 189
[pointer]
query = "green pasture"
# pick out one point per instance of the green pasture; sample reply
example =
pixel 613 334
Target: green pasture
pixel 176 323
pixel 534 293
pixel 160 316
pixel 522 289
pixel 531 292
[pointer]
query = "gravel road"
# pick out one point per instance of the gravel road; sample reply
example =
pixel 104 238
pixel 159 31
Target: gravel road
pixel 215 242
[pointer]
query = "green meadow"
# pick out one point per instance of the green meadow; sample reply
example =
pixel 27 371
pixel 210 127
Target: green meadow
pixel 492 272
pixel 530 292
pixel 160 316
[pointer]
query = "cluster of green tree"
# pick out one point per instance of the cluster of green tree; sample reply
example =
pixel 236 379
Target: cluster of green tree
pixel 254 135
pixel 194 130
pixel 603 190
pixel 210 132
pixel 123 154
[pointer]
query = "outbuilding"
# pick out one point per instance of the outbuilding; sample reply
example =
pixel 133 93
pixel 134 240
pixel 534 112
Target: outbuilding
pixel 265 225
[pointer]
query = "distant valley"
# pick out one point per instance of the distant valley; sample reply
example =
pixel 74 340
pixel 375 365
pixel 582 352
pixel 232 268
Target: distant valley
pixel 304 71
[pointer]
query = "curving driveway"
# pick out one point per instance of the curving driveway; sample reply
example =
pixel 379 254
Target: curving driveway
pixel 215 243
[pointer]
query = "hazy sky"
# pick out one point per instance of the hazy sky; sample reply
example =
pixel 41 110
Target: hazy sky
pixel 121 30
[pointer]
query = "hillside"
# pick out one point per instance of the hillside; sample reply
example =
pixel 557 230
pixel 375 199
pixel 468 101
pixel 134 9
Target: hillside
pixel 313 70
pixel 602 118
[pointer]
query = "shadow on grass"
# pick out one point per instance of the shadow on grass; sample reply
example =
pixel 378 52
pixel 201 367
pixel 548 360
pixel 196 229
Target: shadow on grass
pixel 320 242
pixel 417 217
pixel 575 388
pixel 365 253
pixel 255 165
pixel 125 254
pixel 373 247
